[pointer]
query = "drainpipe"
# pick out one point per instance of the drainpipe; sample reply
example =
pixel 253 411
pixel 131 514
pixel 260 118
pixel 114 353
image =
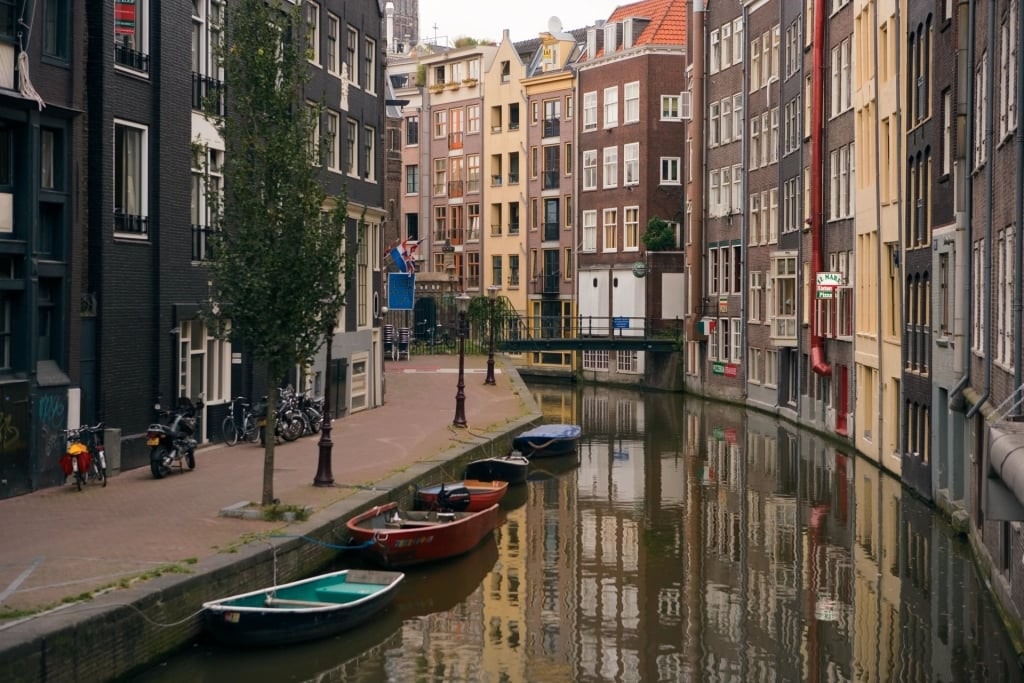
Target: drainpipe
pixel 818 362
pixel 878 251
pixel 695 190
pixel 964 271
pixel 989 163
pixel 1018 220
pixel 745 224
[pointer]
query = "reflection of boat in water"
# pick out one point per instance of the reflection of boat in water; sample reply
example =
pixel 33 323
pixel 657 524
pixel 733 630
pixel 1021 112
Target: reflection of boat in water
pixel 440 588
pixel 549 468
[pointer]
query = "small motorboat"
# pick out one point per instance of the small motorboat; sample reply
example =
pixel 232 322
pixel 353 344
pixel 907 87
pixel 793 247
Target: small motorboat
pixel 316 607
pixel 468 495
pixel 548 440
pixel 400 538
pixel 512 468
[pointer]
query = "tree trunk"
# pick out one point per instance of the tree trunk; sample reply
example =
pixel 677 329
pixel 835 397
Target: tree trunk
pixel 270 439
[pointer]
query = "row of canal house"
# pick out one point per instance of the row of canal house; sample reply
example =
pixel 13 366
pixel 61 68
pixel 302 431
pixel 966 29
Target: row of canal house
pixel 103 218
pixel 858 234
pixel 844 178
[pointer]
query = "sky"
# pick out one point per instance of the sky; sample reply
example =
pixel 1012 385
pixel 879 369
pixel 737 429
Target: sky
pixel 524 19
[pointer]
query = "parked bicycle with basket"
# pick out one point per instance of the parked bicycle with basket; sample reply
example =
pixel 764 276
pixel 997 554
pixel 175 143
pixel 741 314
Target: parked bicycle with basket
pixel 85 457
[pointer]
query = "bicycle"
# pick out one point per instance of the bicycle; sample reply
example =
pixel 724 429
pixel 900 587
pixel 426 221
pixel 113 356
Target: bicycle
pixel 85 457
pixel 234 429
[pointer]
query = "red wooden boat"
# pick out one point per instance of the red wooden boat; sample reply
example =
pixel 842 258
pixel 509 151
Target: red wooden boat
pixel 400 538
pixel 469 495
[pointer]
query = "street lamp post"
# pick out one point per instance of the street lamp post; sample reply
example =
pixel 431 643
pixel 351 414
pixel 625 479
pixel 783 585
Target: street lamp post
pixel 324 476
pixel 492 297
pixel 462 302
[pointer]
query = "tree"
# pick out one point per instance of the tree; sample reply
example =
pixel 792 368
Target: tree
pixel 278 268
pixel 660 236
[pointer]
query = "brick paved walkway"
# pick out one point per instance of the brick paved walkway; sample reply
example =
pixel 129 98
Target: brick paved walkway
pixel 58 543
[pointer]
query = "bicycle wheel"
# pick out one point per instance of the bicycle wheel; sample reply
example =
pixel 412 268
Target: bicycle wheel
pixel 98 471
pixel 250 432
pixel 229 430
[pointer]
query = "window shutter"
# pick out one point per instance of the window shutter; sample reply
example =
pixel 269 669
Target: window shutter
pixel 685 106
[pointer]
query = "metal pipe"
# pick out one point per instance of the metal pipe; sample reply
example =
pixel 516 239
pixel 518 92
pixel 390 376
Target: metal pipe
pixel 818 362
pixel 989 196
pixel 878 246
pixel 745 224
pixel 962 312
pixel 695 189
pixel 1018 219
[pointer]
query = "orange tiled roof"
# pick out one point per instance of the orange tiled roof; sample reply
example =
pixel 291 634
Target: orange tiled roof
pixel 668 21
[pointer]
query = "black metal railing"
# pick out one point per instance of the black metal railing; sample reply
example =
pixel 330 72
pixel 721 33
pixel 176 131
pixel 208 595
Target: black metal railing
pixel 133 59
pixel 551 128
pixel 513 178
pixel 207 94
pixel 130 224
pixel 513 228
pixel 456 188
pixel 454 140
pixel 550 282
pixel 550 231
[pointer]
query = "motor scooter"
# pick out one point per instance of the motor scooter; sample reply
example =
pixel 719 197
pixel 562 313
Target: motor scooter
pixel 171 442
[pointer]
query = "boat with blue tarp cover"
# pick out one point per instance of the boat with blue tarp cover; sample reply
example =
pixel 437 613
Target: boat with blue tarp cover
pixel 548 440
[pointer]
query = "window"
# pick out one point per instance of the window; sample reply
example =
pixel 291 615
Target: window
pixel 714 124
pixel 131 34
pixel 333 57
pixel 631 228
pixel 980 110
pixel 513 270
pixel 370 65
pixel 631 163
pixel 473 118
pixel 945 308
pixel 715 52
pixel 631 92
pixel 568 211
pixel 726 118
pixel 131 185
pixel 670 171
pixel 611 230
pixel 590 169
pixel 1007 73
pixel 412 130
pixel 473 269
pixel 770 361
pixel 351 140
pixel 567 263
pixel 947 132
pixel 756 296
pixel 841 182
pixel 611 167
pixel 333 141
pixel 56 28
pixel 369 156
pixel 755 64
pixel 351 48
pixel 5 332
pixel 842 85
pixel 363 286
pixel 782 297
pixel 312 12
pixel 513 218
pixel 440 177
pixel 714 193
pixel 726 50
pixel 1004 297
pixel 754 365
pixel 568 158
pixel 412 179
pixel 791 199
pixel 441 123
pixel 473 173
pixel 737 40
pixel 611 107
pixel 979 300
pixel 496 276
pixel 589 230
pixel 670 107
pixel 590 111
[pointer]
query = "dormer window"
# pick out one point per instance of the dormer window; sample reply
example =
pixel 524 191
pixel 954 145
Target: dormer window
pixel 610 36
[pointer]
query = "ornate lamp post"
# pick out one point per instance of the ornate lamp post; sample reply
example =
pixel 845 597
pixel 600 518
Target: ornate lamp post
pixel 462 301
pixel 324 476
pixel 492 297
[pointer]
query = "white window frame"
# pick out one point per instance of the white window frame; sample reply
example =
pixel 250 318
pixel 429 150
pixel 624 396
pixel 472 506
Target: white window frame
pixel 370 150
pixel 631 228
pixel 333 44
pixel 333 141
pixel 611 107
pixel 312 18
pixel 589 243
pixel 369 64
pixel 590 110
pixel 631 108
pixel 590 169
pixel 351 55
pixel 670 107
pixel 670 171
pixel 755 296
pixel 610 168
pixel 143 168
pixel 610 230
pixel 714 52
pixel 630 164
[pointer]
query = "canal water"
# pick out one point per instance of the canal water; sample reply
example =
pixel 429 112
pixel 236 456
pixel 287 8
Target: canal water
pixel 687 541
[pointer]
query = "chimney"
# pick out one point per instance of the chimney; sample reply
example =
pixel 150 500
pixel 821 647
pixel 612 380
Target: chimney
pixel 389 12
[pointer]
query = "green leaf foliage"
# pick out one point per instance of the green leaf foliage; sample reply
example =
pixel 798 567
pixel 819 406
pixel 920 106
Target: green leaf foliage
pixel 279 254
pixel 659 236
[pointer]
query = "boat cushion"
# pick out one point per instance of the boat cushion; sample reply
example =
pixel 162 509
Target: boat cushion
pixel 346 591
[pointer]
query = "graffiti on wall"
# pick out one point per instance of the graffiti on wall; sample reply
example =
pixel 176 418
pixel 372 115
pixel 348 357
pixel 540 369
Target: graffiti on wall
pixel 51 416
pixel 15 428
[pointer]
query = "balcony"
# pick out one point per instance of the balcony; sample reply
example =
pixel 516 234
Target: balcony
pixel 550 180
pixel 551 128
pixel 513 228
pixel 207 94
pixel 513 178
pixel 496 180
pixel 130 224
pixel 133 59
pixel 455 140
pixel 495 229
pixel 456 188
pixel 550 231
